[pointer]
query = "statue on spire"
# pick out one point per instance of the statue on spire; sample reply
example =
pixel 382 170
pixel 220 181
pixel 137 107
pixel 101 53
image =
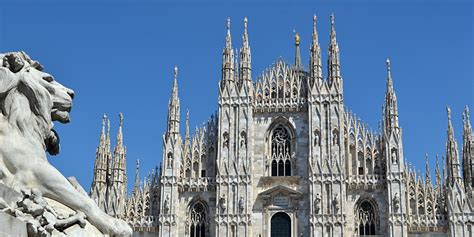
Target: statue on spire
pixel 297 51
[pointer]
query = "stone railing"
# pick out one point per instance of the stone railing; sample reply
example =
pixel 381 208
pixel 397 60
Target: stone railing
pixel 427 221
pixel 425 229
pixel 195 184
pixel 280 104
pixel 369 181
pixel 144 223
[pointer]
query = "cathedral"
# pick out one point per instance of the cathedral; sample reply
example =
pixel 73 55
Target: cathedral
pixel 284 157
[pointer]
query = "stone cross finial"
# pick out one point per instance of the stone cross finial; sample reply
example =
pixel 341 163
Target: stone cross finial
pixel 175 72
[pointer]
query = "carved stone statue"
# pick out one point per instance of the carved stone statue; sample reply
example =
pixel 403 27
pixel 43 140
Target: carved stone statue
pixel 317 203
pixel 241 204
pixel 222 203
pixel 30 100
pixel 335 139
pixel 226 139
pixel 170 160
pixel 166 205
pixel 316 138
pixel 243 140
pixel 394 157
pixel 335 203
pixel 396 202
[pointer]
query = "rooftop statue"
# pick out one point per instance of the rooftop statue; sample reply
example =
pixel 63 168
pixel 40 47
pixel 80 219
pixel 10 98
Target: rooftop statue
pixel 30 100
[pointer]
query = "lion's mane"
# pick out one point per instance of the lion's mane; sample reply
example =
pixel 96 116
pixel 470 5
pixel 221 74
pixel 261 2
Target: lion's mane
pixel 24 102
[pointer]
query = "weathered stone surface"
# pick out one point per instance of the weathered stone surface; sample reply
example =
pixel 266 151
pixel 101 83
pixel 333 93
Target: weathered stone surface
pixel 76 229
pixel 77 186
pixel 9 195
pixel 11 226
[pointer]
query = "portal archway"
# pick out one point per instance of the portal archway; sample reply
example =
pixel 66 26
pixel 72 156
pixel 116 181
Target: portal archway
pixel 281 225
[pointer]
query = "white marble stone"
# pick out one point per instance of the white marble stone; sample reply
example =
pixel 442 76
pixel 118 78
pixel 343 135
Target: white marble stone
pixel 11 226
pixel 31 100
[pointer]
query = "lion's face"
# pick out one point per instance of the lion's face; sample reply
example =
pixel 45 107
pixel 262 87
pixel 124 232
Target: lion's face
pixel 60 96
pixel 48 100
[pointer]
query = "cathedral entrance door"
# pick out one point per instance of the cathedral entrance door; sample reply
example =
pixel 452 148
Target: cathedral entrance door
pixel 281 225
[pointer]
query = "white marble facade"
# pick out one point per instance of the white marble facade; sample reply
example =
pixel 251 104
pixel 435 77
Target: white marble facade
pixel 284 156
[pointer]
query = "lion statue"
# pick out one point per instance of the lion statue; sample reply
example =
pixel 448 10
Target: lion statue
pixel 30 100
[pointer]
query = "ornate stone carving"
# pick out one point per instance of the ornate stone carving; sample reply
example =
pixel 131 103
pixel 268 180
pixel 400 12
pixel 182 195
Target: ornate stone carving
pixel 317 203
pixel 335 203
pixel 241 204
pixel 243 139
pixel 166 205
pixel 222 203
pixel 225 136
pixel 30 101
pixel 396 202
pixel 335 138
pixel 316 138
pixel 394 156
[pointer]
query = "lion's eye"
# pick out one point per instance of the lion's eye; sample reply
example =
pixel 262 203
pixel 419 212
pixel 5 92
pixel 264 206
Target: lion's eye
pixel 48 78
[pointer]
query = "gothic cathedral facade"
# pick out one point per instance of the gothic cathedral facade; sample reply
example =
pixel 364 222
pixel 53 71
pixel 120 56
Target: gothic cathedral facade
pixel 284 157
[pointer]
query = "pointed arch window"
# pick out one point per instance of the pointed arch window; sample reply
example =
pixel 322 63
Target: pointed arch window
pixel 360 158
pixel 366 219
pixel 281 150
pixel 413 206
pixel 198 221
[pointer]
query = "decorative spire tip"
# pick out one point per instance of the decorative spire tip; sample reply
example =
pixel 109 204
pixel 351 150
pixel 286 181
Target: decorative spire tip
pixel 448 110
pixel 314 26
pixel 228 23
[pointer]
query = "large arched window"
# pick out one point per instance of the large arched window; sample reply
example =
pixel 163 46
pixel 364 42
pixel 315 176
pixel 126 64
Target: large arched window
pixel 366 222
pixel 197 220
pixel 281 150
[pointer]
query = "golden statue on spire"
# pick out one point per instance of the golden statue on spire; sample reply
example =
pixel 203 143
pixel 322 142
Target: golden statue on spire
pixel 297 38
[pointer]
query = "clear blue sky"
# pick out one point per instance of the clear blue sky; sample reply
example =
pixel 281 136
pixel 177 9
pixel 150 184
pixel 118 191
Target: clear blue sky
pixel 119 57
